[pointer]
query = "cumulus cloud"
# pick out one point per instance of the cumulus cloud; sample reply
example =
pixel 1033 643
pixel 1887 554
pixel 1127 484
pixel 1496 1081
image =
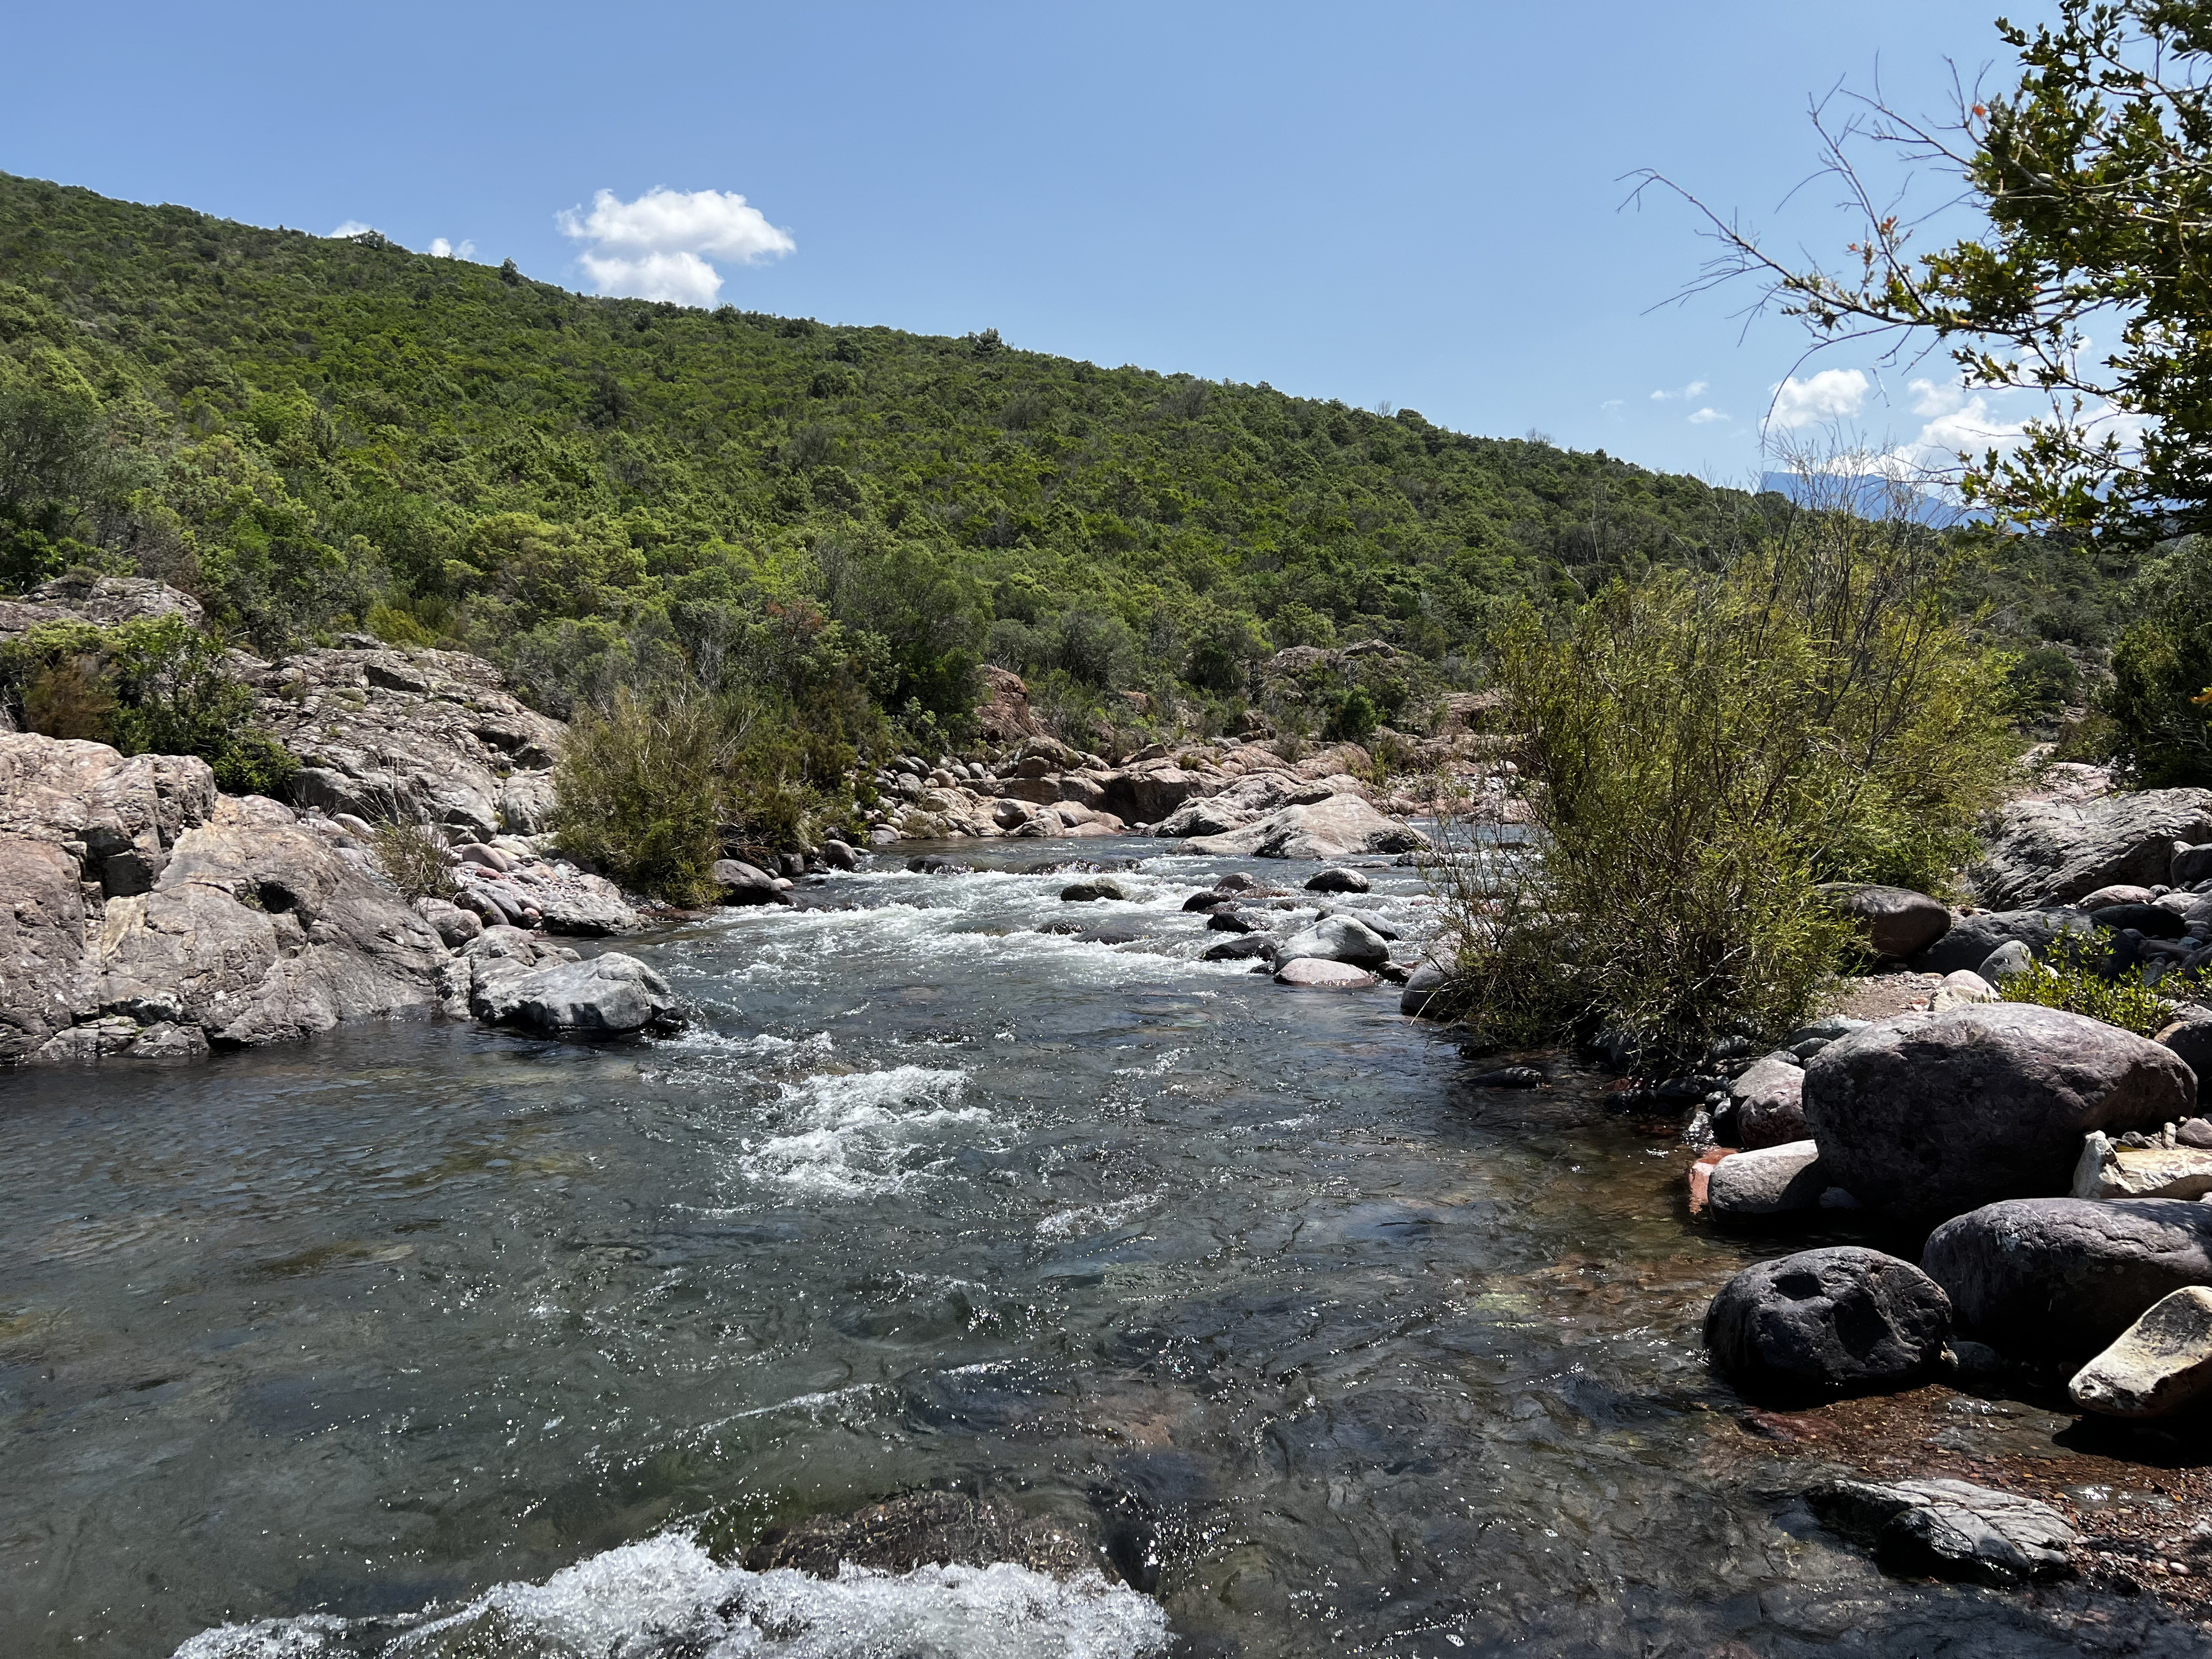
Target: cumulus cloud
pixel 352 228
pixel 1833 394
pixel 662 246
pixel 1706 416
pixel 1687 391
pixel 442 249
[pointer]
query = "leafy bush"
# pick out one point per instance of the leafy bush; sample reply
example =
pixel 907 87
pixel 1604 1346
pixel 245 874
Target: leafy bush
pixel 638 791
pixel 2161 667
pixel 153 685
pixel 2074 979
pixel 1701 753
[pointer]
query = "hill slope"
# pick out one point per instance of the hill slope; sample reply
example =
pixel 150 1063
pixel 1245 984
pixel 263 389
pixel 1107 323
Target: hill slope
pixel 317 435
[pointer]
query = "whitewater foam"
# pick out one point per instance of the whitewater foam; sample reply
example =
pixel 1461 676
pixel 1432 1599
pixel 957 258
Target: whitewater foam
pixel 862 1134
pixel 667 1597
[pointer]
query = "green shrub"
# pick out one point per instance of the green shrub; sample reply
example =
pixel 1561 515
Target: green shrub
pixel 396 627
pixel 414 856
pixel 1701 753
pixel 2073 979
pixel 638 791
pixel 2162 665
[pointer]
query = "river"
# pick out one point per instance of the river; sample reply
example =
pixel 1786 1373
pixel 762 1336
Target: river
pixel 421 1340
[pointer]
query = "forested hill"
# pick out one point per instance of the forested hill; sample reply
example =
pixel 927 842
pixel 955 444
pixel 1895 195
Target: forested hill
pixel 321 435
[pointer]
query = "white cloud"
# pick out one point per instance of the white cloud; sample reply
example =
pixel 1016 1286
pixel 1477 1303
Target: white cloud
pixel 1689 391
pixel 1833 394
pixel 442 249
pixel 1705 417
pixel 660 246
pixel 1610 404
pixel 352 228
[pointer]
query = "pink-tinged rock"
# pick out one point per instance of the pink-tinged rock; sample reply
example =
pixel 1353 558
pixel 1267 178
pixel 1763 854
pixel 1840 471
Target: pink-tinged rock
pixel 1701 1175
pixel 2104 897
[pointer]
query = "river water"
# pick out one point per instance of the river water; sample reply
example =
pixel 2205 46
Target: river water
pixel 420 1339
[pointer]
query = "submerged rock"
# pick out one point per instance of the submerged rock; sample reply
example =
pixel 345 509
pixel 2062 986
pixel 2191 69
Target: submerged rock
pixel 1949 1529
pixel 2161 1364
pixel 1092 891
pixel 1242 948
pixel 928 1529
pixel 1843 1319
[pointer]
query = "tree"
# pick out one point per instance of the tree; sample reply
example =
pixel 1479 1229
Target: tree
pixel 2094 177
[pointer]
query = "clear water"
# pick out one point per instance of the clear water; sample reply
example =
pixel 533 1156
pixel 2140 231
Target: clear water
pixel 421 1340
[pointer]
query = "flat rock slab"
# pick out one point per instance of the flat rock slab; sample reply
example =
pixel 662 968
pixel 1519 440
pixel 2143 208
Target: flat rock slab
pixel 1949 1529
pixel 2161 1364
pixel 2109 1171
pixel 2048 852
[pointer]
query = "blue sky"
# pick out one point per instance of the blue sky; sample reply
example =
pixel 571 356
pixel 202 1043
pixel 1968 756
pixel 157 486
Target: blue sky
pixel 1412 203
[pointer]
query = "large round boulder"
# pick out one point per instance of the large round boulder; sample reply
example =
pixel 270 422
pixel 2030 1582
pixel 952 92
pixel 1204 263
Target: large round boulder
pixel 1843 1320
pixel 2061 1277
pixel 1338 939
pixel 1896 921
pixel 1928 1115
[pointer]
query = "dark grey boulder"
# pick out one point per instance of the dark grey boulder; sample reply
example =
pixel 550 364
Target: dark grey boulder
pixel 1427 992
pixel 1335 880
pixel 1231 921
pixel 744 884
pixel 1242 948
pixel 1896 921
pixel 2061 1277
pixel 2151 920
pixel 1843 1319
pixel 2190 1038
pixel 1091 891
pixel 1948 1529
pixel 1208 901
pixel 839 856
pixel 1929 1115
pixel 2049 852
pixel 2189 865
pixel 1974 939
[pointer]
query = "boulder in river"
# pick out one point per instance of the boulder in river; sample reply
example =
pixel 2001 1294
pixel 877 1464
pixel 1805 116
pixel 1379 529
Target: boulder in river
pixel 2052 853
pixel 1317 972
pixel 2161 1365
pixel 1338 938
pixel 2064 1277
pixel 1338 827
pixel 1896 921
pixel 1427 994
pixel 600 996
pixel 1337 879
pixel 1090 892
pixel 1232 920
pixel 1244 947
pixel 1949 1529
pixel 1927 1115
pixel 741 884
pixel 1842 1320
pixel 927 1528
pixel 1772 1181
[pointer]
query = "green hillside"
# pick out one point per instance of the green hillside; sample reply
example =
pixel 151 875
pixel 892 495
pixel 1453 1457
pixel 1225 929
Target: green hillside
pixel 316 435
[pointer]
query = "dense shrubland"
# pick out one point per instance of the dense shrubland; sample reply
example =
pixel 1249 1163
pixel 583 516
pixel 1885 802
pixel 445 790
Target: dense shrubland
pixel 1704 752
pixel 836 525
